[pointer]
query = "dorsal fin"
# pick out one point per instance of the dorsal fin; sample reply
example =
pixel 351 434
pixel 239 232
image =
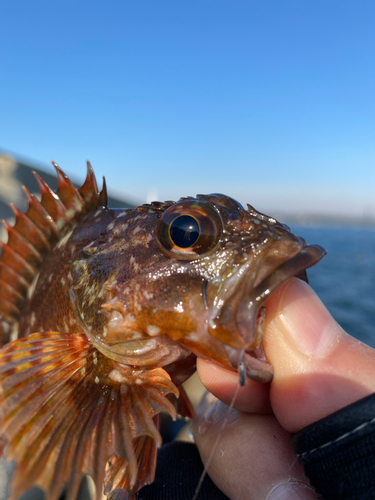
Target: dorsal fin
pixel 34 233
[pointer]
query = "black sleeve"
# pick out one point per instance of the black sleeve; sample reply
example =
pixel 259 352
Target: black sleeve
pixel 338 452
pixel 178 471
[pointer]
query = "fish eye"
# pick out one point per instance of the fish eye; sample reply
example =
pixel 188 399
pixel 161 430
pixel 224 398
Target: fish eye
pixel 184 231
pixel 189 229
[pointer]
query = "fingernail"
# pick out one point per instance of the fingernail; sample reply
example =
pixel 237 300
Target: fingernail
pixel 207 401
pixel 292 491
pixel 208 414
pixel 306 321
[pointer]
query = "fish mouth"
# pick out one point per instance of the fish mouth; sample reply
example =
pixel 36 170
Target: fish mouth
pixel 239 325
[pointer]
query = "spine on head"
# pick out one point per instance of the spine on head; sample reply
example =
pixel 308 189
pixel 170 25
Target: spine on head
pixel 35 233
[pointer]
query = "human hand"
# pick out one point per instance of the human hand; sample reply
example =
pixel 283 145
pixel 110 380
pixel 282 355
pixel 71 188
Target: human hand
pixel 318 369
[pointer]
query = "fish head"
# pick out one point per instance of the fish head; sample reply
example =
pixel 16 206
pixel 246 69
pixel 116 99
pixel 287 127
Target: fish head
pixel 193 274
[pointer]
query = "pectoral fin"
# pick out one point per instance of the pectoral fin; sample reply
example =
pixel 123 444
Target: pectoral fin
pixel 66 410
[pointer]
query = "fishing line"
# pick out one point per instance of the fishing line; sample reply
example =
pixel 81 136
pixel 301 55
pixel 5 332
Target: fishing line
pixel 241 382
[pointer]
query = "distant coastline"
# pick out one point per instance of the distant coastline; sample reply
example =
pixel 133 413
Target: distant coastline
pixel 326 220
pixel 15 172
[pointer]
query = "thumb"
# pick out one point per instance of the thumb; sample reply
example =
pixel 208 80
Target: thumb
pixel 318 368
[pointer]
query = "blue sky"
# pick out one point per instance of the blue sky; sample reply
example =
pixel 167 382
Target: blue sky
pixel 271 102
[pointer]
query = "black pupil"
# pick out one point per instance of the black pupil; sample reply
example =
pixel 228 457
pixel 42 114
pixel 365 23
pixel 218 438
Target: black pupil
pixel 184 231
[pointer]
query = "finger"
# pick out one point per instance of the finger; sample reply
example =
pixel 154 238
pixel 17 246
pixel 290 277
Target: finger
pixel 253 460
pixel 252 397
pixel 318 368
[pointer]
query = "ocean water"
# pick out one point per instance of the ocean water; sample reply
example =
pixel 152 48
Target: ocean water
pixel 345 278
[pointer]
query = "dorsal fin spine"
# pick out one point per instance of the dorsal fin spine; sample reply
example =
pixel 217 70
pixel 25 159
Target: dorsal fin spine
pixel 37 213
pixel 8 312
pixel 89 190
pixel 16 262
pixel 67 192
pixel 35 232
pixel 10 276
pixel 7 292
pixel 52 203
pixel 103 195
pixel 26 226
pixel 17 240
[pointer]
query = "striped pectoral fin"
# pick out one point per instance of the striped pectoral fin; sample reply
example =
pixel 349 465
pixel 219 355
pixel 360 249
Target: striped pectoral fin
pixel 117 480
pixel 66 411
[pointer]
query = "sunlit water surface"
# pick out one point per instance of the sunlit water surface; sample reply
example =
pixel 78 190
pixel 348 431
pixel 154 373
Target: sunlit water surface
pixel 345 278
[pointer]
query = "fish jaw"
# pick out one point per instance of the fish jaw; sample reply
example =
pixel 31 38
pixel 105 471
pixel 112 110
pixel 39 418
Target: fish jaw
pixel 238 312
pixel 237 304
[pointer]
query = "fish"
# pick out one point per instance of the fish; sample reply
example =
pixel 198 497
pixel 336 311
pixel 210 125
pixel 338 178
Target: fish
pixel 103 312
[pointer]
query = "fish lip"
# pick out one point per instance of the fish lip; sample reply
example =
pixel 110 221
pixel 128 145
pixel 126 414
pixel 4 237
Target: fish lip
pixel 247 310
pixel 236 323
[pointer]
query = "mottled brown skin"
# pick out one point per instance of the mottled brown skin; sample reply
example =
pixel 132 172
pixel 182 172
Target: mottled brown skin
pixel 50 306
